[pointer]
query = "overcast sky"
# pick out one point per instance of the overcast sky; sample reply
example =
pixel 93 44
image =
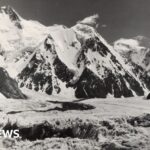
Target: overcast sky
pixel 118 18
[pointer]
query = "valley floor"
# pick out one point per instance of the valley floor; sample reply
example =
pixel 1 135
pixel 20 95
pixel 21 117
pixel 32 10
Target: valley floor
pixel 52 123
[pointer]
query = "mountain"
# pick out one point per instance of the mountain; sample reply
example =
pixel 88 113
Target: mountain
pixel 70 62
pixel 136 54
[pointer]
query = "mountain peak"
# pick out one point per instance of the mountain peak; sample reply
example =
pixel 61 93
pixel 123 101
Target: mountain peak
pixel 140 37
pixel 91 20
pixel 11 12
pixel 13 15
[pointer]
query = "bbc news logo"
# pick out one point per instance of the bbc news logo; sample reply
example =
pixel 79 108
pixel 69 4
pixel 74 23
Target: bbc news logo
pixel 9 134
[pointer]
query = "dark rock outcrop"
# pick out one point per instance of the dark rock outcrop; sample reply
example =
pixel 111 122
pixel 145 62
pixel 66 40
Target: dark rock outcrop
pixel 9 87
pixel 148 96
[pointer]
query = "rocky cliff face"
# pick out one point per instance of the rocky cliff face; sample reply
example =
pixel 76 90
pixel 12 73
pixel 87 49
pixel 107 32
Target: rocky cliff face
pixel 9 87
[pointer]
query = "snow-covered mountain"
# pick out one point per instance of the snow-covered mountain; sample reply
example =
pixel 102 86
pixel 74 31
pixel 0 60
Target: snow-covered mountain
pixel 136 50
pixel 136 54
pixel 72 62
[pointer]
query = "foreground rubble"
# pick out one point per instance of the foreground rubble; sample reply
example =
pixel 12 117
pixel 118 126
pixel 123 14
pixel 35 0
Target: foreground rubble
pixel 46 123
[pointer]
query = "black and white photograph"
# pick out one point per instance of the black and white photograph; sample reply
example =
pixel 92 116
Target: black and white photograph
pixel 74 74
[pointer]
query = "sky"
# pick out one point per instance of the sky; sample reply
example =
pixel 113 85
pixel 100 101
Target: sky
pixel 117 18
